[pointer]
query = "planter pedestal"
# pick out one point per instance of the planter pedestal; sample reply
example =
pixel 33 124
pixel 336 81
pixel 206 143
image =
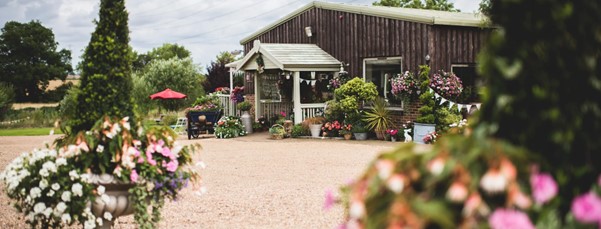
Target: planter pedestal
pixel 420 130
pixel 119 204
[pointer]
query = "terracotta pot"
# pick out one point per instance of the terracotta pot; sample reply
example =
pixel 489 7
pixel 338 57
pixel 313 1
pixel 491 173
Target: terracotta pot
pixel 348 136
pixel 380 134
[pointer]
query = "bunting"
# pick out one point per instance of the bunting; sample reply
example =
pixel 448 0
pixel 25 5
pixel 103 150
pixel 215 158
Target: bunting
pixel 451 103
pixel 309 82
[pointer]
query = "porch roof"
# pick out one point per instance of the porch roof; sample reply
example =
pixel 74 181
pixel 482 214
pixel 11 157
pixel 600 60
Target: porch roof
pixel 290 57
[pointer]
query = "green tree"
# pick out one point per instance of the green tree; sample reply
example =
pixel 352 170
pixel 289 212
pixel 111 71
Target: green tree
pixel 7 97
pixel 106 69
pixel 178 74
pixel 544 72
pixel 29 59
pixel 165 52
pixel 442 5
pixel 217 74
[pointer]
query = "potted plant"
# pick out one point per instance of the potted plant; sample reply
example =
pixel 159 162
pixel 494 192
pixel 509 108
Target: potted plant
pixel 245 117
pixel 229 127
pixel 393 134
pixel 314 125
pixel 346 131
pixel 377 118
pixel 330 129
pixel 277 132
pixel 359 131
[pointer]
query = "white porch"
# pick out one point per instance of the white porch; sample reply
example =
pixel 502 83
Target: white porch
pixel 289 78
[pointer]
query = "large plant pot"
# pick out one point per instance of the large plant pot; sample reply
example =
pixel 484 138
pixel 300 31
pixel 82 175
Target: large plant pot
pixel 247 122
pixel 315 130
pixel 119 203
pixel 420 130
pixel 360 136
pixel 380 134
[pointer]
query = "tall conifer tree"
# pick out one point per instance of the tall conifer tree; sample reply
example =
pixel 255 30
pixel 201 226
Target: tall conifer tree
pixel 106 69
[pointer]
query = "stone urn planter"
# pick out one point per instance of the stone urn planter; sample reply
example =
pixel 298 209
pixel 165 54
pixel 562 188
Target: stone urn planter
pixel 118 202
pixel 360 136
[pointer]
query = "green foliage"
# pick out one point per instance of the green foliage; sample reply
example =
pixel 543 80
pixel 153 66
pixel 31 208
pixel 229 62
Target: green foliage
pixel 298 130
pixel 335 110
pixel 244 106
pixel 180 75
pixel 106 69
pixel 169 120
pixel 165 52
pixel 357 89
pixel 7 97
pixel 442 5
pixel 31 117
pixel 544 73
pixel 377 117
pixel 29 59
pixel 141 92
pixel 229 127
pixel 431 111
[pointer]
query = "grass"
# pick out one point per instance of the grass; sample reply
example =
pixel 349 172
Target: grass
pixel 28 131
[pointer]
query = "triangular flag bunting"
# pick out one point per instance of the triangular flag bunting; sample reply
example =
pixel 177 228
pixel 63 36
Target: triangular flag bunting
pixel 459 107
pixel 430 90
pixel 478 105
pixel 436 95
pixel 313 82
pixel 451 104
pixel 443 100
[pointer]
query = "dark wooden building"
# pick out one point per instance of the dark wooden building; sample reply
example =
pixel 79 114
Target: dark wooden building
pixel 376 43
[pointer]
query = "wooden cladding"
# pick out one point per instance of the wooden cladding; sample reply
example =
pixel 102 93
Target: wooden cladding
pixel 351 37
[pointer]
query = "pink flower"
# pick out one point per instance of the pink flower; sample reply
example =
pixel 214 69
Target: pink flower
pixel 457 192
pixel 509 219
pixel 385 168
pixel 494 181
pixel 329 200
pixel 396 183
pixel 544 187
pixel 166 152
pixel 171 166
pixel 149 158
pixel 587 208
pixel 133 176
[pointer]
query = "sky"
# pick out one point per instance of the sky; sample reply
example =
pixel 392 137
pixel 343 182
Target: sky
pixel 205 27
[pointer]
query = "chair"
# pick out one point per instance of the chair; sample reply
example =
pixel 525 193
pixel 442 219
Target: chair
pixel 180 126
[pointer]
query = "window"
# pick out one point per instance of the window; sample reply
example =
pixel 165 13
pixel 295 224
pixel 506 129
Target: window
pixel 314 87
pixel 471 82
pixel 379 71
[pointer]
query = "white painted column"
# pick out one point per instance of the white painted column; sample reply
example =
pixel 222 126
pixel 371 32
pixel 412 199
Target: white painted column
pixel 258 105
pixel 298 118
pixel 232 70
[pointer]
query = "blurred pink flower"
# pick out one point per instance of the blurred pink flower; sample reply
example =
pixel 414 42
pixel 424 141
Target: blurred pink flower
pixel 494 181
pixel 544 187
pixel 133 176
pixel 457 192
pixel 587 208
pixel 385 168
pixel 329 200
pixel 509 219
pixel 171 166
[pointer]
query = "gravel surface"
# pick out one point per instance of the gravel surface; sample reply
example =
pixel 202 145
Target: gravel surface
pixel 252 182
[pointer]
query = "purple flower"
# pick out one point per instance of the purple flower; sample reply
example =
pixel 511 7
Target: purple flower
pixel 587 208
pixel 329 200
pixel 544 187
pixel 509 219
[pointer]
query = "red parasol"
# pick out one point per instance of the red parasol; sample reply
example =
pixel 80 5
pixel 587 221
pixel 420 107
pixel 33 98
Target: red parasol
pixel 168 94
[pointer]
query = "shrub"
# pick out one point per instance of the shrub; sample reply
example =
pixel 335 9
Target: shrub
pixel 298 130
pixel 7 97
pixel 169 120
pixel 357 89
pixel 244 106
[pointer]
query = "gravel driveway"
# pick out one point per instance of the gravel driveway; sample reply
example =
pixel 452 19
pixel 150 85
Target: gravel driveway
pixel 252 182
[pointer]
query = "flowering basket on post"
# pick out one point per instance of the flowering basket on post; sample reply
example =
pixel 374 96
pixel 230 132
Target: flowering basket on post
pixel 54 187
pixel 405 86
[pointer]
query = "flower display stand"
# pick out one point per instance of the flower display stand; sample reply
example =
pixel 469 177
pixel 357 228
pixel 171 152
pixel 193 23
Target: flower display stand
pixel 420 130
pixel 118 202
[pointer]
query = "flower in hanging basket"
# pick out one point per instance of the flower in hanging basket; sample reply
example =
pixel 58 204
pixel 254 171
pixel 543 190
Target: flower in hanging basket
pixel 447 84
pixel 149 159
pixel 404 86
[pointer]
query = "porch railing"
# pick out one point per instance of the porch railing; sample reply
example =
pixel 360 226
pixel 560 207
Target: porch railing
pixel 229 107
pixel 272 108
pixel 311 110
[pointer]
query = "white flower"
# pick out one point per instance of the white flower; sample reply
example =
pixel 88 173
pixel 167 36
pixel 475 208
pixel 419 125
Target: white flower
pixel 357 210
pixel 201 164
pixel 100 148
pixel 61 207
pixel 85 177
pixel 436 166
pixel 47 212
pixel 105 198
pixel 73 174
pixel 66 196
pixel 385 168
pixel 99 221
pixel 30 217
pixel 55 186
pixel 90 224
pixel 39 208
pixel 61 161
pixel 396 183
pixel 77 189
pixel 35 192
pixel 66 218
pixel 493 182
pixel 108 216
pixel 44 172
pixel 51 132
pixel 50 193
pixel 100 189
pixel 43 184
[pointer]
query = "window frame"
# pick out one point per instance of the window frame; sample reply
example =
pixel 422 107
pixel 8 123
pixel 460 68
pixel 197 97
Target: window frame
pixel 400 58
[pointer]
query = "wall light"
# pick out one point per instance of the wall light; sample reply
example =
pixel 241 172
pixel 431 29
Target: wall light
pixel 427 57
pixel 308 31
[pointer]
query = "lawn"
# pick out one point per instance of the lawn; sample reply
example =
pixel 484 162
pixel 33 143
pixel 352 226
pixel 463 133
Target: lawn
pixel 28 131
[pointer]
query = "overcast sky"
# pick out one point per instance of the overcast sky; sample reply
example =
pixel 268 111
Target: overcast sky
pixel 205 27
